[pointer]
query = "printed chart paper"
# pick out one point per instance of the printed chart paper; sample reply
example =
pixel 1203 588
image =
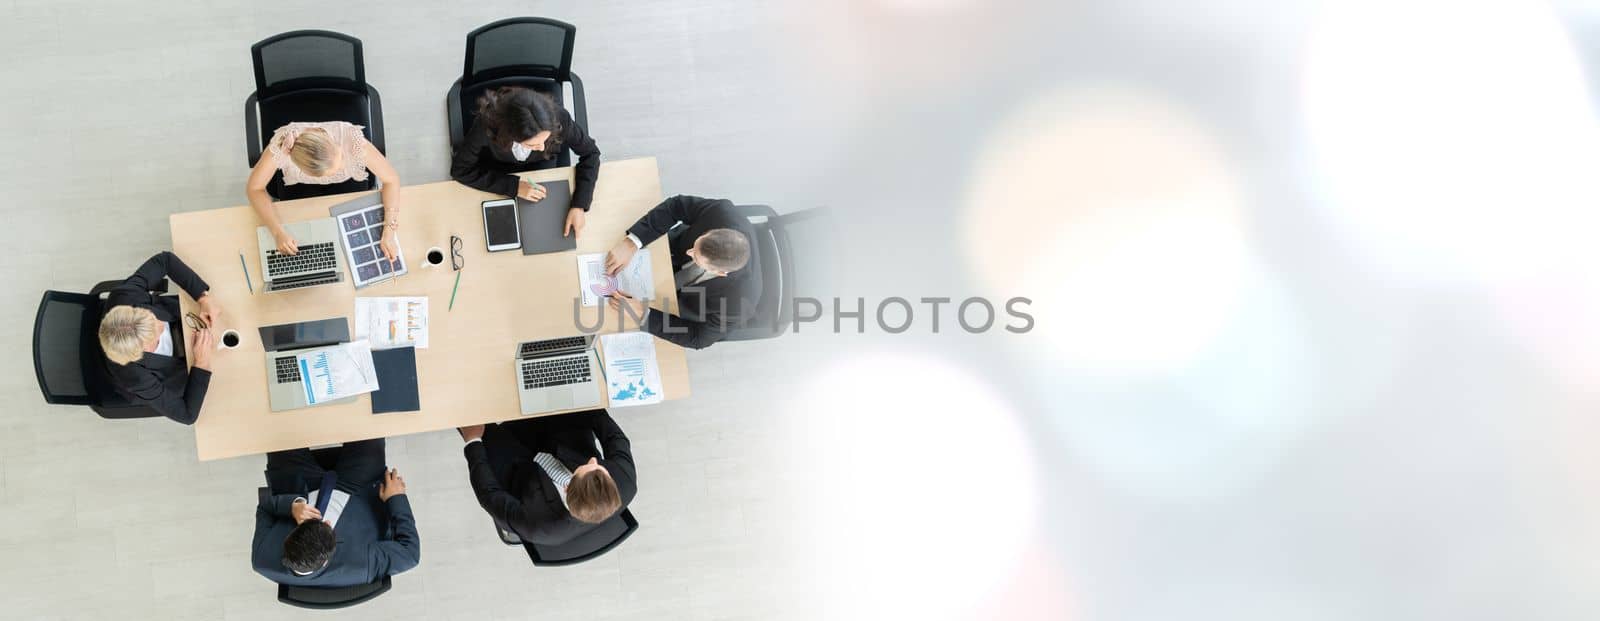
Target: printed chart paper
pixel 632 377
pixel 634 279
pixel 337 372
pixel 392 322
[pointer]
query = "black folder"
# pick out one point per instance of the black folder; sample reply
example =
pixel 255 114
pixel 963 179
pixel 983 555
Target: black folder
pixel 542 223
pixel 397 380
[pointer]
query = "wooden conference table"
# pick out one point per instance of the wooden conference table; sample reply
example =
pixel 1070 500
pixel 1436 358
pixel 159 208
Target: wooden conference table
pixel 465 376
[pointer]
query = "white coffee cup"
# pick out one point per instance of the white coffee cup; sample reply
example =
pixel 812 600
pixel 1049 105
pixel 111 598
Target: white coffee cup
pixel 222 341
pixel 427 259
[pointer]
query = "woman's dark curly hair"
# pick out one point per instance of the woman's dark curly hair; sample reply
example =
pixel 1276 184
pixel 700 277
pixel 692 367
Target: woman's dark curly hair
pixel 514 114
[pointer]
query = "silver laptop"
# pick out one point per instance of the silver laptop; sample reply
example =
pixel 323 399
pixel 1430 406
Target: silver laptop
pixel 285 389
pixel 558 374
pixel 319 261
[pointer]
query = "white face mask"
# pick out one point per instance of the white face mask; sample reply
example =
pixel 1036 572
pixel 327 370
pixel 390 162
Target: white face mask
pixel 520 152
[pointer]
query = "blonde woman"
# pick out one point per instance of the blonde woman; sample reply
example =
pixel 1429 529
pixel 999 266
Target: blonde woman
pixel 323 153
pixel 141 338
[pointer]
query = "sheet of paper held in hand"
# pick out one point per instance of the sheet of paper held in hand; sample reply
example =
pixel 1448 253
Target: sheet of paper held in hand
pixel 392 322
pixel 337 372
pixel 632 376
pixel 634 279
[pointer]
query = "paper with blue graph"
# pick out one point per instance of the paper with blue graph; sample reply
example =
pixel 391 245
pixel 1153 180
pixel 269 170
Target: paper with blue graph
pixel 333 373
pixel 632 377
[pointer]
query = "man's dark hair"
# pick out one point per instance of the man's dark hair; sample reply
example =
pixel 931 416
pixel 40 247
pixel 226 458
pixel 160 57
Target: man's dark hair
pixel 308 547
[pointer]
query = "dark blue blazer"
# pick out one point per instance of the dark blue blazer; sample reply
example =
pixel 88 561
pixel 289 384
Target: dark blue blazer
pixel 374 539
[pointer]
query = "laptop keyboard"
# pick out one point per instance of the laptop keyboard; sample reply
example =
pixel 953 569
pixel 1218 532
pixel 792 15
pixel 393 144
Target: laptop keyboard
pixel 312 258
pixel 288 371
pixel 556 372
pixel 532 348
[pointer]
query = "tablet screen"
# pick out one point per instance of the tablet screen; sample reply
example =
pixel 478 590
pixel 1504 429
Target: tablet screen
pixel 501 221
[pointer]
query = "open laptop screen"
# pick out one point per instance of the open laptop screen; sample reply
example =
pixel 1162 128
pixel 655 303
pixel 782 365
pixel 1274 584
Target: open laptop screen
pixel 305 334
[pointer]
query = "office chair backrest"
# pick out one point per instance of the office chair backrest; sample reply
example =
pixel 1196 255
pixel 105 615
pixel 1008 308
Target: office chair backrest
pixel 520 46
pixel 316 598
pixel 307 59
pixel 591 544
pixel 64 337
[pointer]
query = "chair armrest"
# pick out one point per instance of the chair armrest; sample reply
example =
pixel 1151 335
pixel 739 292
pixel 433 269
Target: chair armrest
pixel 580 109
pixel 375 114
pixel 104 287
pixel 756 211
pixel 252 132
pixel 161 286
pixel 453 112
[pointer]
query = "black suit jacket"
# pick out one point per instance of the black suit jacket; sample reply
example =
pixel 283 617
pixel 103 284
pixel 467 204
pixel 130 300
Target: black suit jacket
pixel 708 310
pixel 488 167
pixel 163 383
pixel 527 501
pixel 374 539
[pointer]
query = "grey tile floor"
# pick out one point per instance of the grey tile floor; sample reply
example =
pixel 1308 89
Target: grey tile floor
pixel 116 114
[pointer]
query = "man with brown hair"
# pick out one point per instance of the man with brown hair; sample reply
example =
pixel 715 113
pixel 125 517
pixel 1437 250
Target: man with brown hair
pixel 544 479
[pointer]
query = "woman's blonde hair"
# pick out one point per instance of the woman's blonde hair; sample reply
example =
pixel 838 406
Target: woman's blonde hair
pixel 124 331
pixel 313 151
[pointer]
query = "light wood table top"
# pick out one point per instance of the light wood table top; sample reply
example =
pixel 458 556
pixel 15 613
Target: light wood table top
pixel 466 375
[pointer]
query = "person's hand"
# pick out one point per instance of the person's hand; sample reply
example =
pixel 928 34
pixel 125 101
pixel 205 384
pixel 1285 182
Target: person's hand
pixel 471 432
pixel 575 219
pixel 201 346
pixel 286 242
pixel 530 190
pixel 209 309
pixel 302 511
pixel 390 247
pixel 392 485
pixel 636 308
pixel 619 256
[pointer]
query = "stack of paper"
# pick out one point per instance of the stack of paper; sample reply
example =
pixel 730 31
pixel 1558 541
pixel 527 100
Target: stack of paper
pixel 632 377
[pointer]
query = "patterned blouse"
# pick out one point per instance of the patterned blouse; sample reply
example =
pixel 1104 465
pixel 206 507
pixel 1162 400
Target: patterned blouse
pixel 347 136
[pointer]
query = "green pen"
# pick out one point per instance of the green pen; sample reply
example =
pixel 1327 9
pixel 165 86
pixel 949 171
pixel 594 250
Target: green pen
pixel 453 291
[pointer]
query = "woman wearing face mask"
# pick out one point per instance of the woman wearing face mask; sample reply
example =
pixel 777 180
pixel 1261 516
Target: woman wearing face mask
pixel 518 129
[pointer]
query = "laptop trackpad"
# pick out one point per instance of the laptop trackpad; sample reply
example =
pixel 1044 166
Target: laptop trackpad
pixel 559 400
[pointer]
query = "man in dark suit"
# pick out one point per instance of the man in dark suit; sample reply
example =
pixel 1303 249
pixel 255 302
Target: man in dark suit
pixel 334 528
pixel 143 340
pixel 544 479
pixel 717 276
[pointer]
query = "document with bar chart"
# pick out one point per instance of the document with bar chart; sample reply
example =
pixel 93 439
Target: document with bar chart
pixel 632 377
pixel 392 322
pixel 332 373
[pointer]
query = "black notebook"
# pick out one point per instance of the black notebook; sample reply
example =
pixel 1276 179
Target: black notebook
pixel 397 380
pixel 543 222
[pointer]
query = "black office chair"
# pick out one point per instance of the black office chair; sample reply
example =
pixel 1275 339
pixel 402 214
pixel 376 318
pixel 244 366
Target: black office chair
pixel 773 311
pixel 531 52
pixel 591 544
pixel 310 76
pixel 319 598
pixel 67 358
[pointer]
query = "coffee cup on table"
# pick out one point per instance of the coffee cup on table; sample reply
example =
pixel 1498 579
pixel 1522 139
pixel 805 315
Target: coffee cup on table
pixel 434 258
pixel 229 340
